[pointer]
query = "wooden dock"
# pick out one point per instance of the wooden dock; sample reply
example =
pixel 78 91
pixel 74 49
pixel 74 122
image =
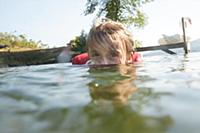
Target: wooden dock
pixel 49 56
pixel 166 48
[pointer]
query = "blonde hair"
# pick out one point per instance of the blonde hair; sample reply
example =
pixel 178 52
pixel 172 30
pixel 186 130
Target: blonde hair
pixel 110 37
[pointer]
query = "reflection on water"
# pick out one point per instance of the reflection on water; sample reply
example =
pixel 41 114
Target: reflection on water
pixel 159 95
pixel 112 83
pixel 108 110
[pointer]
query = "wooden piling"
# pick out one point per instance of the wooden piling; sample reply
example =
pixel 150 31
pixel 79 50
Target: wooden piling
pixel 185 41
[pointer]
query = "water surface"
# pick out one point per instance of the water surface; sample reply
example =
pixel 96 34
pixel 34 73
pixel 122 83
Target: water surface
pixel 162 94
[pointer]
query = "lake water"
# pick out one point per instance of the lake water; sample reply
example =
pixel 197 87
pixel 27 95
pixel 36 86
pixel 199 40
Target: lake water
pixel 162 94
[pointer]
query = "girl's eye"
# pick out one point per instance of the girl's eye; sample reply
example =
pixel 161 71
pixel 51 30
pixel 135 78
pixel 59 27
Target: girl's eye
pixel 114 53
pixel 94 54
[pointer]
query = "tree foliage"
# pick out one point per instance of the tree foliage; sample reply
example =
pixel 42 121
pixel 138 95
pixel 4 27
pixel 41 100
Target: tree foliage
pixel 79 43
pixel 20 41
pixel 125 11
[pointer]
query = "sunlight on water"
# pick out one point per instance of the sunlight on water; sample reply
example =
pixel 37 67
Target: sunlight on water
pixel 161 94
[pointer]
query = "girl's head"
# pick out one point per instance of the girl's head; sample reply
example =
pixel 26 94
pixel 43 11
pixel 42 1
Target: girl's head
pixel 109 43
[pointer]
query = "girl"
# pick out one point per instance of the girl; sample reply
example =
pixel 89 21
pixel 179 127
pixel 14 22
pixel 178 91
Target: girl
pixel 108 43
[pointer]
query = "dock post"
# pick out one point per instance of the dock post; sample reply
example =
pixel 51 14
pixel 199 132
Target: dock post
pixel 186 43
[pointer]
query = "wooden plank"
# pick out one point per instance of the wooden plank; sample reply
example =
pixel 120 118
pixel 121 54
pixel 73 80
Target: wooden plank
pixel 161 47
pixel 168 51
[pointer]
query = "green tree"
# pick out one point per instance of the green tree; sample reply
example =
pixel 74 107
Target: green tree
pixel 79 43
pixel 125 11
pixel 20 41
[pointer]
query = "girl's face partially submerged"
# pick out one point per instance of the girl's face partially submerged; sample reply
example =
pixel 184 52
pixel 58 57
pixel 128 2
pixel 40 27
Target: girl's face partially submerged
pixel 109 43
pixel 105 58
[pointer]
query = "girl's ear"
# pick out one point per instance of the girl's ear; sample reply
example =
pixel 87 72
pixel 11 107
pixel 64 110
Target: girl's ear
pixel 130 60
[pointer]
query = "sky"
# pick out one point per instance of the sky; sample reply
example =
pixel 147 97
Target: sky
pixel 56 22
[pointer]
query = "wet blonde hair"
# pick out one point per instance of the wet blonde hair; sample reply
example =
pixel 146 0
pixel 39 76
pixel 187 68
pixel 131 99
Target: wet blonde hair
pixel 110 37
